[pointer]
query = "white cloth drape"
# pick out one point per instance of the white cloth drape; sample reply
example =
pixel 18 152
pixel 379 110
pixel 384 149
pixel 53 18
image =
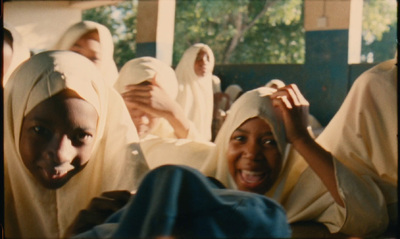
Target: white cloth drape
pixel 76 31
pixel 363 134
pixel 116 163
pixel 195 93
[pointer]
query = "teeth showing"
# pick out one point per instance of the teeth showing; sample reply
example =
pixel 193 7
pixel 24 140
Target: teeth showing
pixel 251 176
pixel 62 169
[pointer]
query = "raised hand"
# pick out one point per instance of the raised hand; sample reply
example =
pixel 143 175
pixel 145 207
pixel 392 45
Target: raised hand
pixel 294 109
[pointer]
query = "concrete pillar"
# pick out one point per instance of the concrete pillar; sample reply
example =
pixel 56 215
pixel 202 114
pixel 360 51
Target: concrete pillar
pixel 333 38
pixel 155 29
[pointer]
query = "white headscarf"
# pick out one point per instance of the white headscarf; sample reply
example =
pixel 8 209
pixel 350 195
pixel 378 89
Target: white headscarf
pixel 76 31
pixel 116 162
pixel 298 189
pixel 254 103
pixel 20 52
pixel 143 69
pixel 196 93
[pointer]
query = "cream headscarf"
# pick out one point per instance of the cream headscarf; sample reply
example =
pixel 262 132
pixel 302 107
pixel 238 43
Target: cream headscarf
pixel 143 69
pixel 76 31
pixel 298 189
pixel 116 163
pixel 196 93
pixel 20 52
pixel 160 146
pixel 255 103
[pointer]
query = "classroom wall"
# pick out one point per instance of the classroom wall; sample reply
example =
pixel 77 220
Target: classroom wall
pixel 256 75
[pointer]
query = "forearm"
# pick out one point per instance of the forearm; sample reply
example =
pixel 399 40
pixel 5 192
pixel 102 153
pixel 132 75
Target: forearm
pixel 179 123
pixel 321 163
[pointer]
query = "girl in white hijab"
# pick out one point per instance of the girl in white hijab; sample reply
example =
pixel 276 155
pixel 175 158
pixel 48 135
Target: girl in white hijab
pixel 195 95
pixel 252 154
pixel 14 51
pixel 63 144
pixel 363 134
pixel 149 88
pixel 94 41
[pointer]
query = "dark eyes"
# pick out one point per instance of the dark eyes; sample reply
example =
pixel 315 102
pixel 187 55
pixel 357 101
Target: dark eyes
pixel 263 141
pixel 79 137
pixel 42 131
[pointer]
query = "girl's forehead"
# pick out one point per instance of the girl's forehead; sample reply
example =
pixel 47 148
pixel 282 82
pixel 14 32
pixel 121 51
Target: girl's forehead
pixel 256 125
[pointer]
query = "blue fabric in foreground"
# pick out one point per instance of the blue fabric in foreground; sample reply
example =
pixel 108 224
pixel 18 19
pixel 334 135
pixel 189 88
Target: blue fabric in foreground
pixel 179 201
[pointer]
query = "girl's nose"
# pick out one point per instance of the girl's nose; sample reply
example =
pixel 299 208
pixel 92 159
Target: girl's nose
pixel 64 150
pixel 252 150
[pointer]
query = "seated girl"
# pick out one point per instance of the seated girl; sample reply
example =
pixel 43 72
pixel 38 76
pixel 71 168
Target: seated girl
pixel 254 152
pixel 63 144
pixel 149 88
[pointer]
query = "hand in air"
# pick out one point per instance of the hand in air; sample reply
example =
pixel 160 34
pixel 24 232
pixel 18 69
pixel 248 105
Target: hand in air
pixel 150 98
pixel 294 109
pixel 100 208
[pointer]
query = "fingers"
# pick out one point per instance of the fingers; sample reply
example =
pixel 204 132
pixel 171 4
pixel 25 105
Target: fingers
pixel 290 95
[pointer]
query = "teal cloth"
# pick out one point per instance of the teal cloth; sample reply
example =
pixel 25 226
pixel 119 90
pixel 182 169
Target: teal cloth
pixel 179 201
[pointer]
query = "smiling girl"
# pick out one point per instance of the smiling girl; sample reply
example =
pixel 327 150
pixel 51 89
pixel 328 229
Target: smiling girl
pixel 264 147
pixel 64 144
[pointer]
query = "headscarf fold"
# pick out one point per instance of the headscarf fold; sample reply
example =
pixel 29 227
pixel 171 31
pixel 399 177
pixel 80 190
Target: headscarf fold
pixel 116 162
pixel 195 93
pixel 76 31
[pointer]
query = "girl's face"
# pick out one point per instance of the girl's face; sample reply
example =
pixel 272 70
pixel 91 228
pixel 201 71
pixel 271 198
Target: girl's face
pixel 89 46
pixel 57 138
pixel 202 63
pixel 254 160
pixel 143 122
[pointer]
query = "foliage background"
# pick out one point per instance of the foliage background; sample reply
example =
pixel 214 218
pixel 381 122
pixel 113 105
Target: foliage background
pixel 237 30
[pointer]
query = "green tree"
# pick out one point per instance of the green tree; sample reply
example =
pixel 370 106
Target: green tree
pixel 243 31
pixel 379 29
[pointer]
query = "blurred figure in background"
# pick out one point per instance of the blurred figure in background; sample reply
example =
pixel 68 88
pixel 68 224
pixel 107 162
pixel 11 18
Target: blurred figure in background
pixel 195 95
pixel 94 41
pixel 14 51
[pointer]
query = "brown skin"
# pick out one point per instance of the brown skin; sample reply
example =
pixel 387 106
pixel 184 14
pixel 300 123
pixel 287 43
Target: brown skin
pixel 295 109
pixel 99 209
pixel 89 46
pixel 147 102
pixel 57 138
pixel 254 160
pixel 202 63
